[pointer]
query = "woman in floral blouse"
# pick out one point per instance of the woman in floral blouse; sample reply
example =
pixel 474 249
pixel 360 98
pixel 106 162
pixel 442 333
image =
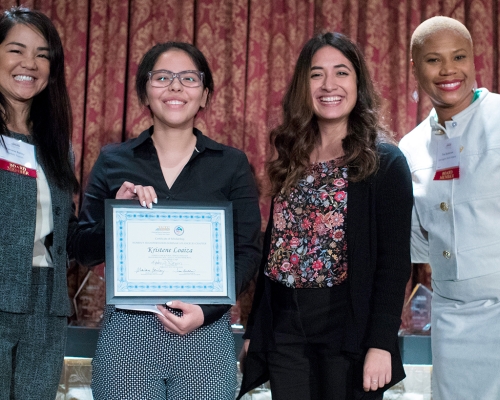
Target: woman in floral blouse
pixel 327 306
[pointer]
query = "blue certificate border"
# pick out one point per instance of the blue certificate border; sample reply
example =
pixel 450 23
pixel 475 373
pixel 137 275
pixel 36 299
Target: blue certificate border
pixel 119 212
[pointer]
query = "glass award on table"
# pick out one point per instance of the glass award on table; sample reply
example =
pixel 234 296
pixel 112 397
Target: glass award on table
pixel 418 312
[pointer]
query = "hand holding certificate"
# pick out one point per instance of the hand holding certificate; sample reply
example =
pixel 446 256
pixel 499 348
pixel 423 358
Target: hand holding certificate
pixel 179 251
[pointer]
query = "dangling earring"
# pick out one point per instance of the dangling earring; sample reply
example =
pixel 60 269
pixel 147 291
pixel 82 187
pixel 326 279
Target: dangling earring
pixel 414 95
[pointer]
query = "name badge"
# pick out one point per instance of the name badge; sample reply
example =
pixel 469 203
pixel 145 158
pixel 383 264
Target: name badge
pixel 448 159
pixel 18 157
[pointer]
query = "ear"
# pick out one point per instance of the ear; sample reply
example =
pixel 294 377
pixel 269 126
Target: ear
pixel 204 98
pixel 413 69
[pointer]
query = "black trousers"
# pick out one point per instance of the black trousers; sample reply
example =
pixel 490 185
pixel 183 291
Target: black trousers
pixel 308 329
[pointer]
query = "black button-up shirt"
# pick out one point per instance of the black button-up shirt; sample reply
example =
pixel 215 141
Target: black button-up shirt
pixel 215 172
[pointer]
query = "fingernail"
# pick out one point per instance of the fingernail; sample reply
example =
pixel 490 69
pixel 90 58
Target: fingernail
pixel 150 205
pixel 135 190
pixel 155 200
pixel 169 303
pixel 144 204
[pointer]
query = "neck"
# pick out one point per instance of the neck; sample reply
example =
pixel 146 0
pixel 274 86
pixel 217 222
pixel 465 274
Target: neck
pixel 18 118
pixel 445 113
pixel 174 140
pixel 329 145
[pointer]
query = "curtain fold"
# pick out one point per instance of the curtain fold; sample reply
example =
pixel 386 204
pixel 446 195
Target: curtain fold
pixel 252 46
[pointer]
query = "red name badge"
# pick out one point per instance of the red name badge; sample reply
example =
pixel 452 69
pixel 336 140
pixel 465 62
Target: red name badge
pixel 447 174
pixel 17 169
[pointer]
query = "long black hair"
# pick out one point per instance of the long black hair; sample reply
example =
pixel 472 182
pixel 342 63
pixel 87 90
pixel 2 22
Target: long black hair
pixel 50 113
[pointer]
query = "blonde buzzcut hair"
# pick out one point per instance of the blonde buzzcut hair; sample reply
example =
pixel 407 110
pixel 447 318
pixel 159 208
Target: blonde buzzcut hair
pixel 433 25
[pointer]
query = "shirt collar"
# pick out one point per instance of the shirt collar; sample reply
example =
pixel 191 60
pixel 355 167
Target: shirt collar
pixel 202 142
pixel 439 129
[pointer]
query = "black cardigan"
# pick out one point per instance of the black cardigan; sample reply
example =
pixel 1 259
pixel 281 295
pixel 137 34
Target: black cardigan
pixel 378 245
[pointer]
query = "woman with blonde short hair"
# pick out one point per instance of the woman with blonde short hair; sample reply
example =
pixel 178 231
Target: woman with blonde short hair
pixel 455 163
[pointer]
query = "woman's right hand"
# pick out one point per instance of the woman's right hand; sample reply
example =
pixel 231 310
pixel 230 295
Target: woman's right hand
pixel 145 194
pixel 243 354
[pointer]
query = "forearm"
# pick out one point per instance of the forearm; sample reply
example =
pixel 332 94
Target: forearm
pixel 87 244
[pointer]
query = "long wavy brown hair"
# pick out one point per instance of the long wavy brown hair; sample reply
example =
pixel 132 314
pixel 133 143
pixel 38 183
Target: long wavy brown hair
pixel 294 140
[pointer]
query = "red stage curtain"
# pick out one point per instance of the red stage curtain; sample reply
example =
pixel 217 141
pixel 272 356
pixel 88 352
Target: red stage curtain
pixel 252 46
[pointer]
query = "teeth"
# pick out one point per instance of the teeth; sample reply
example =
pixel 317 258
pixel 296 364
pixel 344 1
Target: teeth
pixel 23 78
pixel 449 85
pixel 175 102
pixel 330 99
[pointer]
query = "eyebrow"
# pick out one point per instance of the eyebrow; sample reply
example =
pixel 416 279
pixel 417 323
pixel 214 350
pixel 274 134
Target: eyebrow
pixel 438 53
pixel 335 67
pixel 23 45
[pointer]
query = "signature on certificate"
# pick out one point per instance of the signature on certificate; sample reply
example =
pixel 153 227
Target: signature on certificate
pixel 185 271
pixel 149 271
pixel 165 263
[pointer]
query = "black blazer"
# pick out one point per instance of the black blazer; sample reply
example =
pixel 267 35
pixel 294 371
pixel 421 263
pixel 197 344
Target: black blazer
pixel 378 245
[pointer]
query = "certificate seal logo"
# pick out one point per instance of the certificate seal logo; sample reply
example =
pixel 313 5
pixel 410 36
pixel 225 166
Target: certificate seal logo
pixel 179 230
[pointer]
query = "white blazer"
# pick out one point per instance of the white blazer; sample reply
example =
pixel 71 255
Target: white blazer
pixel 456 223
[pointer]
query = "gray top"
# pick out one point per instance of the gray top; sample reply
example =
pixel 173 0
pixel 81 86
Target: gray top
pixel 18 202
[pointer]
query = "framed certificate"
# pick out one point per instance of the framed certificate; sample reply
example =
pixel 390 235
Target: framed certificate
pixel 174 251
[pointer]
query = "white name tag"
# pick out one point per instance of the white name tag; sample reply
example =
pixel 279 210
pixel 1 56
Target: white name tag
pixel 18 156
pixel 18 152
pixel 448 159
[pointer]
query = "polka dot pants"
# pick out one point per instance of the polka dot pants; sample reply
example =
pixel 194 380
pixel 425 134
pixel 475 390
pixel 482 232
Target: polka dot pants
pixel 136 359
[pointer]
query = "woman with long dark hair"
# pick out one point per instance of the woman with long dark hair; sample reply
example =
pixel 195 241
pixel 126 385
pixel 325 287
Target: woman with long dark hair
pixel 186 351
pixel 36 187
pixel 327 307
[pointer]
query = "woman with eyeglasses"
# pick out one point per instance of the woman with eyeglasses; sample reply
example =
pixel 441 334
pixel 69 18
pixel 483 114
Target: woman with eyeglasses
pixel 187 350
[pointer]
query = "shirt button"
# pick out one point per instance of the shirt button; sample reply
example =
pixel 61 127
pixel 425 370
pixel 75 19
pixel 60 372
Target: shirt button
pixel 444 206
pixel 167 197
pixel 446 254
pixel 454 124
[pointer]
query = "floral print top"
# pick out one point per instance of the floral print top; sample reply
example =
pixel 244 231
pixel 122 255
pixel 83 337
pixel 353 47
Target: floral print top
pixel 308 242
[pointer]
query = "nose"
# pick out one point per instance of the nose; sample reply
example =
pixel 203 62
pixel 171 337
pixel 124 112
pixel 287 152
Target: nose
pixel 447 67
pixel 176 84
pixel 29 62
pixel 329 82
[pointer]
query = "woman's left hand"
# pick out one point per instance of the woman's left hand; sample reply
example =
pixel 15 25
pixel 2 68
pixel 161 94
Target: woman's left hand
pixel 191 319
pixel 377 371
